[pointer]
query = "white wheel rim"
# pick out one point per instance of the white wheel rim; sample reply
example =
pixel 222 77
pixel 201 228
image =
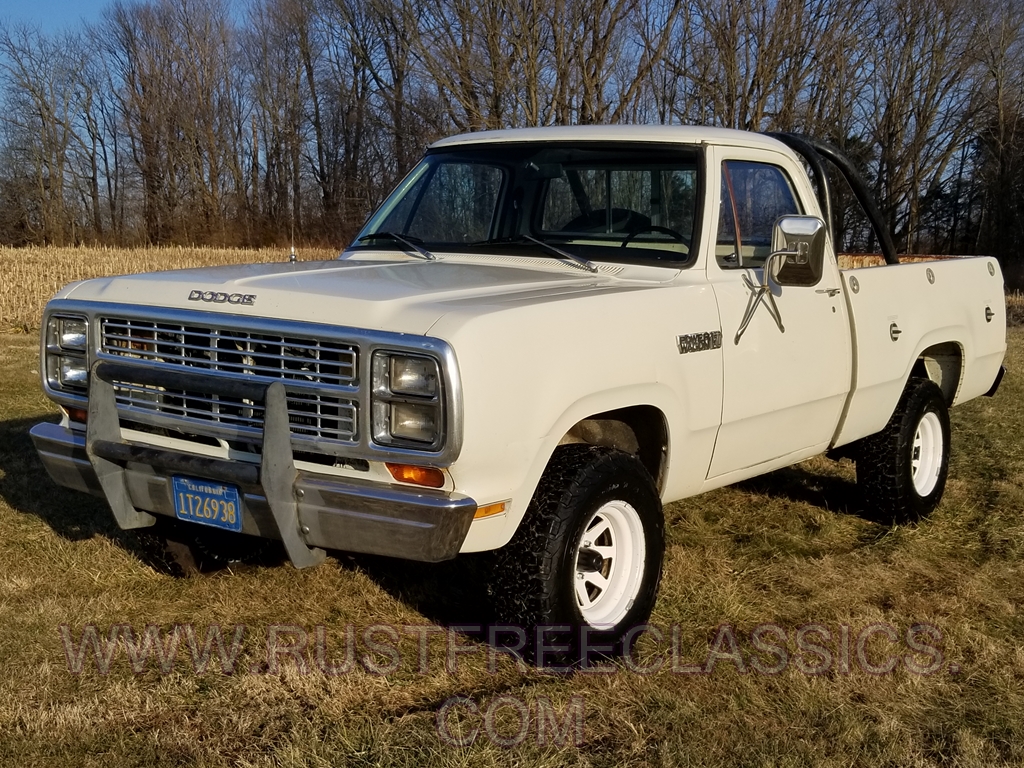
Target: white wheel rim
pixel 926 459
pixel 604 595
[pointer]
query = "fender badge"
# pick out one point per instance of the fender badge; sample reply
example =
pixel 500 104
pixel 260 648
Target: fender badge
pixel 699 342
pixel 214 297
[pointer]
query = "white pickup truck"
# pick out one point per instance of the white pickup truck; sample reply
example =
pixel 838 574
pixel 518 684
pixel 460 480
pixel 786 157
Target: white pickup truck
pixel 538 339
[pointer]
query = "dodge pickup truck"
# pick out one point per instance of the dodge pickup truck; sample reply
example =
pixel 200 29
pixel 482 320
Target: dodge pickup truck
pixel 541 337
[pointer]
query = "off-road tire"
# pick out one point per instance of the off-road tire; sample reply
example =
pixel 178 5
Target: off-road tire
pixel 533 580
pixel 888 462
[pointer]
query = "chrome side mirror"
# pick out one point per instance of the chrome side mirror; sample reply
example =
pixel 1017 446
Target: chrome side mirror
pixel 798 251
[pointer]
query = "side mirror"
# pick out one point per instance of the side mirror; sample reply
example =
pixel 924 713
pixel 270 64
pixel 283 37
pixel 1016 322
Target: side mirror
pixel 798 251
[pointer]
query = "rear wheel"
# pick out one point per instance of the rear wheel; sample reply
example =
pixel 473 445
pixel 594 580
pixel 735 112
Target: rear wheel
pixel 902 470
pixel 583 568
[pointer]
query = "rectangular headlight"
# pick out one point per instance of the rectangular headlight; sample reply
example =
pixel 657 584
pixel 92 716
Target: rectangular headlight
pixel 395 374
pixel 73 333
pixel 73 372
pixel 413 376
pixel 399 423
pixel 411 421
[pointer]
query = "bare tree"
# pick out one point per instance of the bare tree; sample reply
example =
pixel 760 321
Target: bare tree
pixel 46 102
pixel 917 112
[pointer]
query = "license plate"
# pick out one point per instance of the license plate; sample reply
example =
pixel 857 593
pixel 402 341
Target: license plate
pixel 207 503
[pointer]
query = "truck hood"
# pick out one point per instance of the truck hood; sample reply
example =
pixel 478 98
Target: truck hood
pixel 390 292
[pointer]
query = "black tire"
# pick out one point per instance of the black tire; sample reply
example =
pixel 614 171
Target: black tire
pixel 184 549
pixel 534 584
pixel 900 481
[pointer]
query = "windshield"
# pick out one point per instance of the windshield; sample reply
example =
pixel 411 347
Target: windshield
pixel 603 202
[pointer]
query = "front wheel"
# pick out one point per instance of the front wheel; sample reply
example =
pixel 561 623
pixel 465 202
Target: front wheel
pixel 902 469
pixel 583 568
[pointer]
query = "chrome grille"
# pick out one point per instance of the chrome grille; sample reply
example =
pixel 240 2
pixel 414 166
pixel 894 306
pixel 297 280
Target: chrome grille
pixel 230 350
pixel 319 377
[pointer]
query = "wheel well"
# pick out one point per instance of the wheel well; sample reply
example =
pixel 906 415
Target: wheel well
pixel 640 430
pixel 943 364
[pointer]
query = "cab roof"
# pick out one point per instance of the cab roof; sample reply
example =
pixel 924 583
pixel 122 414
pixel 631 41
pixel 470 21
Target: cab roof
pixel 674 134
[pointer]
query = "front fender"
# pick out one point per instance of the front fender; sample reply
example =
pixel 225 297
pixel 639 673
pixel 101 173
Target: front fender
pixel 682 477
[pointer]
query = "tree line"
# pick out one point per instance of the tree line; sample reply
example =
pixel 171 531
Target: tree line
pixel 180 121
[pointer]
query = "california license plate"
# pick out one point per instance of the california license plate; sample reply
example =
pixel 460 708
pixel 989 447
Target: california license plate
pixel 207 503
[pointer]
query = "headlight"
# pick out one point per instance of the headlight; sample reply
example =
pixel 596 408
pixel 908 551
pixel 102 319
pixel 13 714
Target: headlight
pixel 407 407
pixel 413 376
pixel 72 333
pixel 410 421
pixel 67 348
pixel 73 372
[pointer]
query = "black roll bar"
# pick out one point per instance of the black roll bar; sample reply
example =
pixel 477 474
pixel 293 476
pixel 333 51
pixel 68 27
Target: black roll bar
pixel 813 150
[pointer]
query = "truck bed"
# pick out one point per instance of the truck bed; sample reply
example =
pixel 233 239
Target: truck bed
pixel 950 311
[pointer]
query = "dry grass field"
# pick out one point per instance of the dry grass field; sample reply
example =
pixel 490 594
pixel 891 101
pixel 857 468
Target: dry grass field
pixel 791 549
pixel 30 276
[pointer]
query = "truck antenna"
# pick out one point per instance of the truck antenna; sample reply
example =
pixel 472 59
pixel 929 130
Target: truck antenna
pixel 291 256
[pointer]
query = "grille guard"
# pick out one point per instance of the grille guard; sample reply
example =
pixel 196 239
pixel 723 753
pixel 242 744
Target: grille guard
pixel 276 475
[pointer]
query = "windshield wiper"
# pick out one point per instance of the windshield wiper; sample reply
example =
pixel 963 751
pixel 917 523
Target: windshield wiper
pixel 408 241
pixel 585 263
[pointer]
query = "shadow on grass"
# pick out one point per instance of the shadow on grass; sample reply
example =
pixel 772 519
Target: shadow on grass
pixel 795 483
pixel 26 487
pixel 448 593
pixel 453 592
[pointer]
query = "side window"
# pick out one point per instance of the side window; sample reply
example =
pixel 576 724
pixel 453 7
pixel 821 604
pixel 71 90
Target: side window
pixel 754 195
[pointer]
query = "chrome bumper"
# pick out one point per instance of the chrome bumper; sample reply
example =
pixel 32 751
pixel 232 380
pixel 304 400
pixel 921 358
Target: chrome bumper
pixel 307 512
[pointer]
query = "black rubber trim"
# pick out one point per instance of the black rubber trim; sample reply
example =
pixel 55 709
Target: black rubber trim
pixel 995 384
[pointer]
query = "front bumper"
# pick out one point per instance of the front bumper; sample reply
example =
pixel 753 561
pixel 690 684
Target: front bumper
pixel 306 512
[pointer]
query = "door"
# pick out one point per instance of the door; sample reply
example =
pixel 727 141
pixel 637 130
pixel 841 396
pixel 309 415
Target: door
pixel 787 355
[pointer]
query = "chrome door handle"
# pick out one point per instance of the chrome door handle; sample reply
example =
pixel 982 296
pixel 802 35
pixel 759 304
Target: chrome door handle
pixel 830 291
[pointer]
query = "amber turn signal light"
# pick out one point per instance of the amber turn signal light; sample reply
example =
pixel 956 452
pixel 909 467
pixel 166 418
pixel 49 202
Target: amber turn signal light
pixel 492 509
pixel 425 476
pixel 78 414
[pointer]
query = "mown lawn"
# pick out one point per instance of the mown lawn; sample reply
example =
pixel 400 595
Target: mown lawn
pixel 789 550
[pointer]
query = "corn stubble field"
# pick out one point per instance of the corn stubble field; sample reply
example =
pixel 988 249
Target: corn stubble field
pixel 791 549
pixel 30 276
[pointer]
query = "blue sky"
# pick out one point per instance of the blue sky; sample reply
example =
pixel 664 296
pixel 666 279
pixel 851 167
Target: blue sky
pixel 52 15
